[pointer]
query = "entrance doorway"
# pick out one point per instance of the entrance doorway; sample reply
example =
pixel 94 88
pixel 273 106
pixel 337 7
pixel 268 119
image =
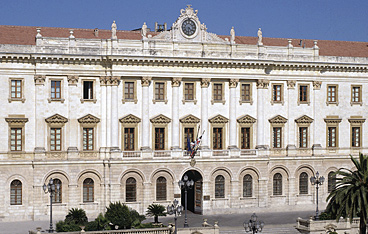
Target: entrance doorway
pixel 195 195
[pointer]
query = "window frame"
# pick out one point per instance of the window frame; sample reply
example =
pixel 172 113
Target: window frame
pixel 243 93
pixel 133 192
pixel 134 99
pixel 249 183
pixel 330 92
pixel 164 100
pixel 88 197
pixel 360 98
pixel 194 92
pixel 58 195
pixel 129 121
pixel 307 99
pixel 16 122
pixel 222 100
pixel 161 189
pixel 303 183
pixel 22 90
pixel 281 97
pixel 88 147
pixel 50 98
pixel 55 140
pixel 332 121
pixel 17 190
pixel 356 122
pixel 277 122
pixel 220 186
pixel 94 97
pixel 277 184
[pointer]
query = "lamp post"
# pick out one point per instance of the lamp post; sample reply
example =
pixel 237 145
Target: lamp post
pixel 175 209
pixel 253 225
pixel 317 180
pixel 186 184
pixel 50 188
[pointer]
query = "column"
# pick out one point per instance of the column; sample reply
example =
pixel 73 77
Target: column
pixel 114 114
pixel 145 113
pixel 262 86
pixel 291 124
pixel 108 113
pixel 204 112
pixel 72 115
pixel 39 107
pixel 232 114
pixel 103 86
pixel 175 145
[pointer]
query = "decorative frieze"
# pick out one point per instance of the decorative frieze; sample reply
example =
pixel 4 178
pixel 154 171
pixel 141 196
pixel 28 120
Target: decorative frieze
pixel 39 79
pixel 205 82
pixel 72 80
pixel 161 119
pixel 263 84
pixel 291 84
pixel 246 119
pixel 356 119
pixel 332 120
pixel 218 119
pixel 146 80
pixel 130 119
pixel 317 85
pixel 56 119
pixel 233 83
pixel 89 119
pixel 176 81
pixel 304 120
pixel 190 119
pixel 278 119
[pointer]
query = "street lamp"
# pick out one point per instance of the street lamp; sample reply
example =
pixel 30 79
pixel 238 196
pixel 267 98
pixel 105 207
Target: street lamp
pixel 186 184
pixel 175 209
pixel 253 225
pixel 317 180
pixel 50 188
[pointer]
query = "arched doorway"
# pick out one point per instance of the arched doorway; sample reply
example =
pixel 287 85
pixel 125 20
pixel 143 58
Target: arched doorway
pixel 195 195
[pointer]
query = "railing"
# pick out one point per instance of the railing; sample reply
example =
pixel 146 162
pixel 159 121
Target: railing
pixel 132 154
pixel 248 152
pixel 186 154
pixel 162 154
pixel 220 153
pixel 165 230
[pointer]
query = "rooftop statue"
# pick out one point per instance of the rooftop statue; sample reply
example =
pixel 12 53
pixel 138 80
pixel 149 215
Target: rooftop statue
pixel 259 37
pixel 113 30
pixel 232 34
pixel 144 30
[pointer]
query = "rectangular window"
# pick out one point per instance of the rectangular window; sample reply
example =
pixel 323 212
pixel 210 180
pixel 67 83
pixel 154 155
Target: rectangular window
pixel 16 139
pixel 87 89
pixel 355 137
pixel 277 134
pixel 159 138
pixel 88 138
pixel 55 89
pixel 217 92
pixel 303 137
pixel 277 93
pixel 55 139
pixel 303 93
pixel 245 92
pixel 217 138
pixel 159 91
pixel 189 91
pixel 16 89
pixel 356 94
pixel 129 139
pixel 245 138
pixel 332 136
pixel 332 93
pixel 188 133
pixel 129 90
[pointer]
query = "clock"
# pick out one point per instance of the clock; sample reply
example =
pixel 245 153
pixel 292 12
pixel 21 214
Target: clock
pixel 188 27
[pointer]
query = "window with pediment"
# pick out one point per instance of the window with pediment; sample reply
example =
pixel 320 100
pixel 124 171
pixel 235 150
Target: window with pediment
pixel 56 124
pixel 332 131
pixel 303 124
pixel 218 125
pixel 356 127
pixel 160 132
pixel 246 124
pixel 129 125
pixel 277 131
pixel 189 127
pixel 88 125
pixel 16 125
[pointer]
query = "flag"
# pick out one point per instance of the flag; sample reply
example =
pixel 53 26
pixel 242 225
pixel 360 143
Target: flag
pixel 188 145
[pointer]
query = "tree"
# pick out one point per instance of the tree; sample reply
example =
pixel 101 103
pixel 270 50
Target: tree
pixel 350 196
pixel 119 214
pixel 156 210
pixel 77 216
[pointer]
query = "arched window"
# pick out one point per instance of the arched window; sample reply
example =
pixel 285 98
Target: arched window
pixel 303 183
pixel 161 189
pixel 57 198
pixel 88 190
pixel 220 187
pixel 16 192
pixel 277 184
pixel 331 181
pixel 131 190
pixel 247 186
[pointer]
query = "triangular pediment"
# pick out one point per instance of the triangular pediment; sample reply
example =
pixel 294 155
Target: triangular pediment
pixel 89 119
pixel 218 119
pixel 161 119
pixel 278 119
pixel 190 119
pixel 246 119
pixel 56 119
pixel 304 119
pixel 130 119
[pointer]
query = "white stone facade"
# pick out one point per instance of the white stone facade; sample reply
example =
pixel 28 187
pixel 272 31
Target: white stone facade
pixel 215 66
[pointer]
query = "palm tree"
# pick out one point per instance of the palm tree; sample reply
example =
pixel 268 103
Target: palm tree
pixel 350 196
pixel 156 210
pixel 77 216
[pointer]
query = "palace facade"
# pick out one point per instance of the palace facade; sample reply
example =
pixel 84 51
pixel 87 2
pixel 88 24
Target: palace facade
pixel 107 113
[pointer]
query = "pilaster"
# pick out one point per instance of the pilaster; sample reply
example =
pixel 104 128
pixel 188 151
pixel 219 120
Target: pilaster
pixel 39 113
pixel 262 87
pixel 175 145
pixel 232 114
pixel 204 112
pixel 72 115
pixel 114 81
pixel 145 113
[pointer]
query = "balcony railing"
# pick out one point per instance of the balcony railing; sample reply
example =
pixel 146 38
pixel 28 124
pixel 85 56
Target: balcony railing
pixel 162 153
pixel 132 154
pixel 220 153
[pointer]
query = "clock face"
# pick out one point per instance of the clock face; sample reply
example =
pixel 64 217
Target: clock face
pixel 188 27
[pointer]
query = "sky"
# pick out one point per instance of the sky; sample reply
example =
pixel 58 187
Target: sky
pixel 345 20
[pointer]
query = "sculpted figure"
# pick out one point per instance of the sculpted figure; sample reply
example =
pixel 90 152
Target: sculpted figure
pixel 113 30
pixel 232 34
pixel 144 30
pixel 259 37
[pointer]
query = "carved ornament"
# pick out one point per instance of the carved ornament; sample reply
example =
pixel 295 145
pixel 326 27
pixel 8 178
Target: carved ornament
pixel 146 81
pixel 218 119
pixel 333 119
pixel 89 119
pixel 130 119
pixel 39 79
pixel 233 83
pixel 161 119
pixel 190 119
pixel 356 120
pixel 73 80
pixel 304 120
pixel 56 119
pixel 176 81
pixel 16 120
pixel 263 83
pixel 317 85
pixel 246 119
pixel 278 119
pixel 109 80
pixel 291 84
pixel 205 82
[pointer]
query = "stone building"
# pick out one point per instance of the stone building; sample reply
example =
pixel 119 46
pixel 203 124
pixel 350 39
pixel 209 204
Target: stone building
pixel 107 115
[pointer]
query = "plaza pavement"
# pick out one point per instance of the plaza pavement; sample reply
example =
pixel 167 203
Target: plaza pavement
pixel 275 222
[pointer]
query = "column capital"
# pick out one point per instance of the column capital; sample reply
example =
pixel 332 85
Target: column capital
pixel 233 83
pixel 205 82
pixel 72 80
pixel 291 84
pixel 176 81
pixel 317 84
pixel 146 81
pixel 263 83
pixel 39 79
pixel 114 80
pixel 104 80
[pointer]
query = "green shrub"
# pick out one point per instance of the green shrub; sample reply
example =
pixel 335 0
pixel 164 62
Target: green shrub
pixel 119 214
pixel 156 210
pixel 63 226
pixel 136 218
pixel 74 219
